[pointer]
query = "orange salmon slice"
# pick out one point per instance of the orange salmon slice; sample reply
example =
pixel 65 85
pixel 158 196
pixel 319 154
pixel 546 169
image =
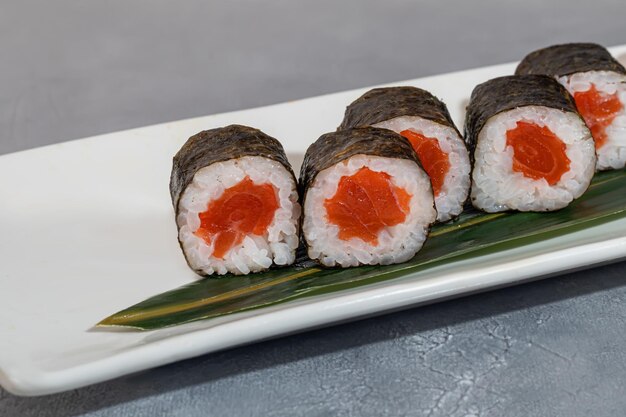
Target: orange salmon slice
pixel 436 162
pixel 246 208
pixel 365 203
pixel 537 152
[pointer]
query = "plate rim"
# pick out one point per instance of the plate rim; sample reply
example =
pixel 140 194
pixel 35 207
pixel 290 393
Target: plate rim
pixel 34 382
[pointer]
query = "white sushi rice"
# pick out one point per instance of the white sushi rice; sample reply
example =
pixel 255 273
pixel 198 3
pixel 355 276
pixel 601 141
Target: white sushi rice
pixel 496 187
pixel 255 253
pixel 397 243
pixel 612 155
pixel 456 185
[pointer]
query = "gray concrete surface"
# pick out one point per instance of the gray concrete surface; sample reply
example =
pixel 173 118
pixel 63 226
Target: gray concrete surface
pixel 70 69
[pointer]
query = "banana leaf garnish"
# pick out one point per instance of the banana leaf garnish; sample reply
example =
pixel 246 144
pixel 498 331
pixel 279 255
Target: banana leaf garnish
pixel 473 234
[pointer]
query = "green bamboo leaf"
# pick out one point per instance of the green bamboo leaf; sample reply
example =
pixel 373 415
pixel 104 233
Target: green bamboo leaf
pixel 474 234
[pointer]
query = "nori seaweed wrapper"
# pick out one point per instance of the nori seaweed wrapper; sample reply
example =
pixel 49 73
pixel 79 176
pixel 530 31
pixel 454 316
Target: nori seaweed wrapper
pixel 381 104
pixel 332 148
pixel 507 93
pixel 567 59
pixel 218 145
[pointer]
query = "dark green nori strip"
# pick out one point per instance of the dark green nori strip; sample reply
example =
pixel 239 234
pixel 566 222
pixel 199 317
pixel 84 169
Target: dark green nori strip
pixel 332 148
pixel 218 145
pixel 382 104
pixel 507 93
pixel 559 60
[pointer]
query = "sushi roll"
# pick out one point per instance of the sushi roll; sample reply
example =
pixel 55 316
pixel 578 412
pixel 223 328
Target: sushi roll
pixel 598 84
pixel 530 149
pixel 236 203
pixel 365 199
pixel 424 121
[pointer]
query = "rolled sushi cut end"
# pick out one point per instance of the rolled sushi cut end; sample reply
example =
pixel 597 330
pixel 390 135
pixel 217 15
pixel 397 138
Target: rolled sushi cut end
pixel 239 216
pixel 235 201
pixel 443 156
pixel 368 210
pixel 531 158
pixel 600 97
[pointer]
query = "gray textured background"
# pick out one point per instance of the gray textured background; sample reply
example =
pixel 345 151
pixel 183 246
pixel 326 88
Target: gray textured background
pixel 70 69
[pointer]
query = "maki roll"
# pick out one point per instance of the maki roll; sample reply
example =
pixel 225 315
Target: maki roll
pixel 530 149
pixel 598 84
pixel 236 204
pixel 365 198
pixel 424 121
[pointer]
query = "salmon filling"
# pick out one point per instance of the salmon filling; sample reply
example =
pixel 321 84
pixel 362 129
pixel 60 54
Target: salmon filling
pixel 365 203
pixel 537 152
pixel 247 208
pixel 435 161
pixel 598 109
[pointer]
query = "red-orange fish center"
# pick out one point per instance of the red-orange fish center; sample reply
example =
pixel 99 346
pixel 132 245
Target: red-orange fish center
pixel 365 203
pixel 537 152
pixel 598 109
pixel 246 208
pixel 433 159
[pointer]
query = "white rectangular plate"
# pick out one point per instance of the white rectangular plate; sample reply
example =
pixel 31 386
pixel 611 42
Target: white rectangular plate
pixel 87 229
